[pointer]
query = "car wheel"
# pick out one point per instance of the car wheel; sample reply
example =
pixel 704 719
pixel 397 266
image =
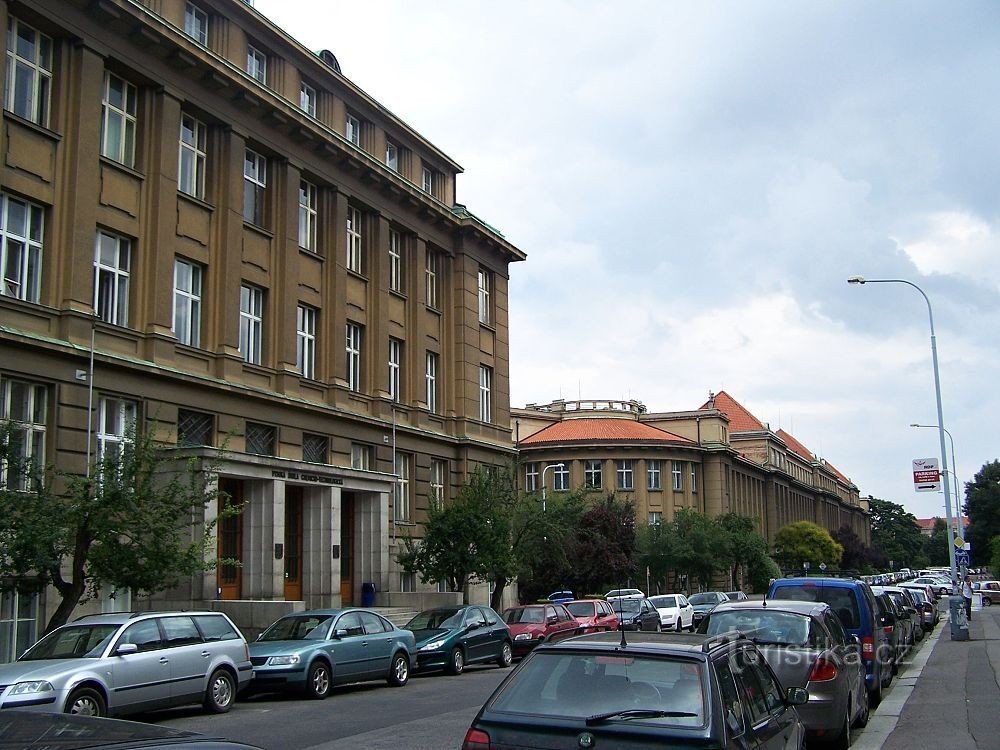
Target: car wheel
pixel 220 693
pixel 399 670
pixel 680 626
pixel 318 680
pixel 875 694
pixel 843 740
pixel 456 662
pixel 506 655
pixel 86 701
pixel 865 711
pixel 987 602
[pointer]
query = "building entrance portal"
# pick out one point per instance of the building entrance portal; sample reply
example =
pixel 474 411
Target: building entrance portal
pixel 229 577
pixel 293 543
pixel 347 509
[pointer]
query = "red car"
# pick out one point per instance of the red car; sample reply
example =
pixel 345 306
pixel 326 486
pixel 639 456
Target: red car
pixel 595 615
pixel 536 623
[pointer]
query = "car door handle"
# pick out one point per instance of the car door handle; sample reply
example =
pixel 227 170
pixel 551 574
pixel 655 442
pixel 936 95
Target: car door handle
pixel 164 660
pixel 206 653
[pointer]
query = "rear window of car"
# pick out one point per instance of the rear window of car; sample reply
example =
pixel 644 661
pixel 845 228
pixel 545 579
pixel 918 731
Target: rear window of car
pixel 663 602
pixel 785 628
pixel 581 609
pixel 842 600
pixel 216 628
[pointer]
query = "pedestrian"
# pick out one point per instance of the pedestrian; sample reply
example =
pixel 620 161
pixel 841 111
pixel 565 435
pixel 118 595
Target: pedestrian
pixel 967 595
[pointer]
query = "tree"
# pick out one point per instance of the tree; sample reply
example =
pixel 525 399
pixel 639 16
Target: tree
pixel 895 534
pixel 982 506
pixel 605 545
pixel 804 541
pixel 857 555
pixel 135 523
pixel 746 546
pixel 697 547
pixel 936 545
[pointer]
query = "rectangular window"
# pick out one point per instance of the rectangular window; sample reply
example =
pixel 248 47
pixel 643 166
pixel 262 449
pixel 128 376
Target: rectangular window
pixel 655 517
pixel 305 341
pixel 251 323
pixel 560 477
pixel 260 439
pixel 195 428
pixel 354 356
pixel 23 409
pixel 439 476
pixel 254 187
pixel 653 474
pixel 485 393
pixel 401 491
pixel 395 367
pixel 116 417
pixel 362 456
pixel 432 269
pixel 112 261
pixel 196 23
pixel 355 256
pixel 352 129
pixel 485 283
pixel 407 583
pixel 592 474
pixel 315 448
pixel 29 73
pixel 625 477
pixel 257 64
pixel 193 144
pixel 694 483
pixel 395 261
pixel 20 248
pixel 307 99
pixel 18 623
pixel 391 156
pixel 531 477
pixel 427 180
pixel 677 476
pixel 430 380
pixel 118 119
pixel 187 302
pixel 307 215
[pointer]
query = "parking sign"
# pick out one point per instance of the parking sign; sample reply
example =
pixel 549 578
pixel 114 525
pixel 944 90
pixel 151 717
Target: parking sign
pixel 926 475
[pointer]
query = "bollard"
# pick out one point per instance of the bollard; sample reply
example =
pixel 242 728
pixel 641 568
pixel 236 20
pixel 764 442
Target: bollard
pixel 959 623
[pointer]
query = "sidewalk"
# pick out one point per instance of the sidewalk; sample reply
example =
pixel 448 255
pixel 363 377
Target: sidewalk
pixel 948 697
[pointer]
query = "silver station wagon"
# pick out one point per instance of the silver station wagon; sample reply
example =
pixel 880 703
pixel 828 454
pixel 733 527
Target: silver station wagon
pixel 124 663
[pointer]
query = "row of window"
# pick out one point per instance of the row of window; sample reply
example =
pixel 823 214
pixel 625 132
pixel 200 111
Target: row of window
pixel 625 469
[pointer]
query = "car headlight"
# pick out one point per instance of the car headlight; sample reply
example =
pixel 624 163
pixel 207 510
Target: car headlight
pixel 522 637
pixel 36 686
pixel 433 645
pixel 283 661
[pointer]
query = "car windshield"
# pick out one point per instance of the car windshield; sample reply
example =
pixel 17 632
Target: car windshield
pixel 762 626
pixel 581 609
pixel 663 602
pixel 298 628
pixel 608 687
pixel 72 642
pixel 706 598
pixel 433 619
pixel 841 600
pixel 524 614
pixel 626 605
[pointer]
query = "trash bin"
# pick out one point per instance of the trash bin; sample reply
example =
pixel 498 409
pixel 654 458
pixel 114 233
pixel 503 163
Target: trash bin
pixel 959 622
pixel 368 594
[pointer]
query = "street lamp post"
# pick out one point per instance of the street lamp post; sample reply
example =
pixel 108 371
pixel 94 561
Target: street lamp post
pixel 545 469
pixel 954 474
pixel 940 419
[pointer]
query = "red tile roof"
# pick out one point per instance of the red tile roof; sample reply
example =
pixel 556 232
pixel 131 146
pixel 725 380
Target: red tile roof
pixel 740 420
pixel 795 446
pixel 928 523
pixel 598 430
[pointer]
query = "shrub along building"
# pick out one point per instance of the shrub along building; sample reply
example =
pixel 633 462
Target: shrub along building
pixel 716 459
pixel 255 255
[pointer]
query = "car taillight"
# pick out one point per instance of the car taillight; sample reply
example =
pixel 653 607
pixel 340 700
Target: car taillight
pixel 867 647
pixel 823 670
pixel 887 629
pixel 476 739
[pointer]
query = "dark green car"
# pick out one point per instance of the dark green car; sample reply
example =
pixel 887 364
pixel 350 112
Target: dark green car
pixel 448 638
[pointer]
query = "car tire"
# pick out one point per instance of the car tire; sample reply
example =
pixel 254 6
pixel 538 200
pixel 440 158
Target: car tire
pixel 220 693
pixel 399 670
pixel 680 626
pixel 319 680
pixel 506 657
pixel 875 694
pixel 86 701
pixel 456 661
pixel 843 740
pixel 987 602
pixel 866 711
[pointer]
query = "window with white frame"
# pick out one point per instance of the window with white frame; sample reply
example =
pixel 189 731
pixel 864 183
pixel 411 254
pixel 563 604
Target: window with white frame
pixel 655 517
pixel 187 302
pixel 438 480
pixel 430 381
pixel 485 284
pixel 396 261
pixel 531 477
pixel 305 341
pixel 593 473
pixel 694 482
pixel 653 474
pixel 485 393
pixel 352 129
pixel 193 145
pixel 427 180
pixel 21 228
pixel 307 215
pixel 560 477
pixel 18 622
pixel 251 323
pixel 626 480
pixel 362 456
pixel 115 418
pixel 254 187
pixel 257 64
pixel 677 476
pixel 29 72
pixel 118 119
pixel 307 99
pixel 407 582
pixel 112 261
pixel 23 410
pixel 432 270
pixel 196 23
pixel 391 156
pixel 354 356
pixel 395 369
pixel 401 490
pixel 355 256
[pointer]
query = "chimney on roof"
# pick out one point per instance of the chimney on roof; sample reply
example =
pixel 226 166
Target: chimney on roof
pixel 711 400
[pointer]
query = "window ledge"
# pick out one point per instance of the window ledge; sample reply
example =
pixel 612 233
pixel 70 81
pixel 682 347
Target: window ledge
pixel 130 171
pixel 40 129
pixel 312 254
pixel 258 230
pixel 358 275
pixel 398 293
pixel 199 202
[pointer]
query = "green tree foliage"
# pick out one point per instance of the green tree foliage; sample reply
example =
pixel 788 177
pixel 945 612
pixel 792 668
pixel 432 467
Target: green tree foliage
pixel 857 555
pixel 746 546
pixel 936 545
pixel 604 545
pixel 995 556
pixel 548 556
pixel 982 506
pixel 896 535
pixel 136 523
pixel 804 541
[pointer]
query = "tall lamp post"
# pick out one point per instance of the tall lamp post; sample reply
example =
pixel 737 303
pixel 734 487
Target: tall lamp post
pixel 940 424
pixel 954 474
pixel 545 469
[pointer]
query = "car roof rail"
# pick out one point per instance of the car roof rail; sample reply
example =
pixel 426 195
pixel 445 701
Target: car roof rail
pixel 721 639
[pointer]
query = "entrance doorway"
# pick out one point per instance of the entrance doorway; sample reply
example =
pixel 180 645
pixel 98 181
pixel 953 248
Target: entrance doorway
pixel 293 543
pixel 229 577
pixel 346 549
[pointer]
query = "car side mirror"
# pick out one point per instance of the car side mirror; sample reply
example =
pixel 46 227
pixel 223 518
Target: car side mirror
pixel 340 633
pixel 124 649
pixel 551 619
pixel 797 696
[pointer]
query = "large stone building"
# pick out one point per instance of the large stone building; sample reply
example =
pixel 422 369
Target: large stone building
pixel 211 231
pixel 716 459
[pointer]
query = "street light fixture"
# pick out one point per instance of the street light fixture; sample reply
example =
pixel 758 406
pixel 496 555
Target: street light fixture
pixel 545 469
pixel 954 466
pixel 940 416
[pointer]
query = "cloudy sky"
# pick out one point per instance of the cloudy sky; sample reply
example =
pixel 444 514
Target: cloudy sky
pixel 694 182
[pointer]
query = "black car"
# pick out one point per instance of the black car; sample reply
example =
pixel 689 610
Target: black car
pixel 636 614
pixel 648 691
pixel 704 602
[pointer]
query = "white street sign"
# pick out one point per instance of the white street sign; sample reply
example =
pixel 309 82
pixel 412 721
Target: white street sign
pixel 926 475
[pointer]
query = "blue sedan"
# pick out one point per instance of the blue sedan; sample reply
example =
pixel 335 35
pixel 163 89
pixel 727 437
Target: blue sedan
pixel 314 650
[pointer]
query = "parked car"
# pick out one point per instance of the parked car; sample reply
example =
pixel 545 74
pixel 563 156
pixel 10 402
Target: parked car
pixel 449 638
pixel 561 597
pixel 705 602
pixel 596 615
pixel 737 596
pixel 654 692
pixel 636 614
pixel 532 624
pixel 928 608
pixel 314 650
pixel 941 586
pixel 676 612
pixel 624 594
pixel 853 602
pixel 906 609
pixel 116 664
pixel 989 590
pixel 806 646
pixel 893 627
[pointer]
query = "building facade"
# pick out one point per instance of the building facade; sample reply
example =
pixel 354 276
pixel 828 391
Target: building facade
pixel 210 231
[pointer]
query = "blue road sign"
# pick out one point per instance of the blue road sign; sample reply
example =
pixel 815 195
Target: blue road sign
pixel 962 557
